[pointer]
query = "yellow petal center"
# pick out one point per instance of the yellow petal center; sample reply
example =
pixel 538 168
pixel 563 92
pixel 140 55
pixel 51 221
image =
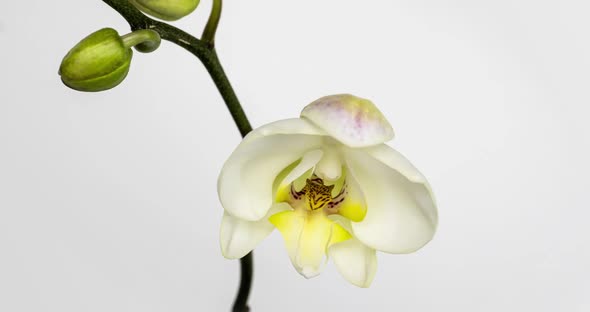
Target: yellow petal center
pixel 307 230
pixel 308 235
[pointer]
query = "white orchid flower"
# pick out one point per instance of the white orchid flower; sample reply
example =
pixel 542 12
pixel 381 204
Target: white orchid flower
pixel 330 186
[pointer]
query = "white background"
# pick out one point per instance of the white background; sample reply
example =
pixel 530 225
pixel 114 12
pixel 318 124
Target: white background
pixel 108 200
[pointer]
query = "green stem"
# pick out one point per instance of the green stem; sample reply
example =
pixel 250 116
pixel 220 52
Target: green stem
pixel 200 49
pixel 213 66
pixel 205 51
pixel 241 302
pixel 144 40
pixel 211 27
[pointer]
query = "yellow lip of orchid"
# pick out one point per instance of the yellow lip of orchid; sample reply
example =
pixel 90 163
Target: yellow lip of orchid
pixel 308 235
pixel 307 230
pixel 330 186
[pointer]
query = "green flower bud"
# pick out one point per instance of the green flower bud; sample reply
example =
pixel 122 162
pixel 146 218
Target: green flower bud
pixel 168 10
pixel 98 62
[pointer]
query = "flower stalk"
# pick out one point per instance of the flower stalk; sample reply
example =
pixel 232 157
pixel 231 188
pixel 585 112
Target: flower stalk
pixel 204 50
pixel 211 27
pixel 144 40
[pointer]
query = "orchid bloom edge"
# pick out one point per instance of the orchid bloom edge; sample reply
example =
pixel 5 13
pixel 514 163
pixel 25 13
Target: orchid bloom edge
pixel 331 187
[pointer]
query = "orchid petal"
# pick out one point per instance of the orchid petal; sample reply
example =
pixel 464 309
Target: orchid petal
pixel 285 126
pixel 401 214
pixel 354 121
pixel 245 183
pixel 392 158
pixel 238 237
pixel 356 262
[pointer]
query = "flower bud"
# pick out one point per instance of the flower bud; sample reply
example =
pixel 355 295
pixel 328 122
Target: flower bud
pixel 98 62
pixel 168 10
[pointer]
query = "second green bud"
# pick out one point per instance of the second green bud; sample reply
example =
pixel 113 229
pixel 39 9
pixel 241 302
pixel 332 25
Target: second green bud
pixel 168 10
pixel 98 62
pixel 101 60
